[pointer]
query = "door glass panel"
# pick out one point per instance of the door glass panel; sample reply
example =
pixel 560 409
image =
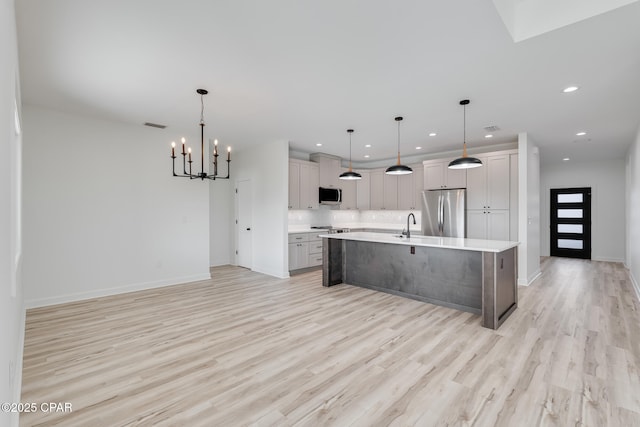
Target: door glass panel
pixel 569 244
pixel 569 213
pixel 570 198
pixel 570 228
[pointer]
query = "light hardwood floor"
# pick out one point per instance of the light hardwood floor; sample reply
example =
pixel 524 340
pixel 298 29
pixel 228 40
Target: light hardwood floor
pixel 248 349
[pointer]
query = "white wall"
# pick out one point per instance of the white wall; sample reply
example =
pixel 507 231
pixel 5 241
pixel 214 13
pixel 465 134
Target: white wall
pixel 11 306
pixel 528 210
pixel 102 213
pixel 221 217
pixel 633 212
pixel 607 181
pixel 267 166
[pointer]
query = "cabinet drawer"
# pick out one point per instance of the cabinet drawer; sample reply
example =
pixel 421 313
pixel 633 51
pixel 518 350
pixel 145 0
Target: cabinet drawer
pixel 315 247
pixel 298 237
pixel 315 259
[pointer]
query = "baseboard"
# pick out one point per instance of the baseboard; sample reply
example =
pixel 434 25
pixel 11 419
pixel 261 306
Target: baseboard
pixel 597 258
pixel 279 275
pixel 531 279
pixel 79 296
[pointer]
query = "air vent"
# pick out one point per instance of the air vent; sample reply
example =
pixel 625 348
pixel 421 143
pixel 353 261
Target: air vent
pixel 491 128
pixel 155 125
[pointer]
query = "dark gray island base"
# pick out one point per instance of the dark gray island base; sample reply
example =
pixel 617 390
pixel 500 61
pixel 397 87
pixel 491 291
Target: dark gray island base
pixel 470 275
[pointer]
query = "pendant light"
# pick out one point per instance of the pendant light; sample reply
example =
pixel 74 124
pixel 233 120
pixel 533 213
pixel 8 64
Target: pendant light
pixel 465 162
pixel 350 174
pixel 398 169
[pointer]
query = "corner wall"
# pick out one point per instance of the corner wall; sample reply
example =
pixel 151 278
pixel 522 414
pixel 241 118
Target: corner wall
pixel 221 220
pixel 528 210
pixel 102 213
pixel 267 166
pixel 11 295
pixel 607 181
pixel 633 212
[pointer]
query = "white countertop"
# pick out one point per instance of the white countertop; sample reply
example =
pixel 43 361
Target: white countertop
pixel 434 242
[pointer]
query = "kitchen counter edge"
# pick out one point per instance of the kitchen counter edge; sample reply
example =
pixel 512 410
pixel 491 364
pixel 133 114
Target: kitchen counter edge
pixel 479 245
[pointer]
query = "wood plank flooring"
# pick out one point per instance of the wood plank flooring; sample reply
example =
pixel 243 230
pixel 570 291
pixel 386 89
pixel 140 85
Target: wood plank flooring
pixel 248 349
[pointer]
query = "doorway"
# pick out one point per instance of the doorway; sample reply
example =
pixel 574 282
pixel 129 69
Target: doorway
pixel 570 222
pixel 244 217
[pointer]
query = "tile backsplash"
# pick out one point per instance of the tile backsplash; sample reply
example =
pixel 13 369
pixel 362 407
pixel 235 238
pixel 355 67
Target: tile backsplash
pixel 386 219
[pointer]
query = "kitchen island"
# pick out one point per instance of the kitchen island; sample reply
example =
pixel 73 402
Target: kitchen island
pixel 478 276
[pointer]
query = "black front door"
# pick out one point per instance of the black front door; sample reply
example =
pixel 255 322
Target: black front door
pixel 571 222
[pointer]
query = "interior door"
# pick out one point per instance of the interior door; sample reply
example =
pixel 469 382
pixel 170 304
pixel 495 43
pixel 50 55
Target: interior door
pixel 244 215
pixel 571 222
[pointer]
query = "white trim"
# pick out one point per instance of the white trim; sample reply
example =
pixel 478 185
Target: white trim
pixel 282 275
pixel 78 296
pixel 535 275
pixel 597 258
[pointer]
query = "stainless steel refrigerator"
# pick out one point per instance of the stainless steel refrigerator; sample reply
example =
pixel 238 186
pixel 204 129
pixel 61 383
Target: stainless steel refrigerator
pixel 444 213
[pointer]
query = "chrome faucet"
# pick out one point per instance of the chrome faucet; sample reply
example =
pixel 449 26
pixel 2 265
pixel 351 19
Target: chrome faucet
pixel 414 223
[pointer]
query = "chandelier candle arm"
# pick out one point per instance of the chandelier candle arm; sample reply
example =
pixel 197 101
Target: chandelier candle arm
pixel 202 175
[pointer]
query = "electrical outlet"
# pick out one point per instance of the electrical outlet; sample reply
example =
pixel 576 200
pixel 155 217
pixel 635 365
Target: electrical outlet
pixel 413 250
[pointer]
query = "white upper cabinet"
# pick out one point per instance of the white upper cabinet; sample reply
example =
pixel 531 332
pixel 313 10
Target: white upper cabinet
pixel 488 186
pixel 390 192
pixel 309 186
pixel 303 184
pixel 490 191
pixel 330 170
pixel 363 190
pixel 294 185
pixel 437 175
pixel 348 192
pixel 418 187
pixel 405 191
pixel 410 189
pixel 377 189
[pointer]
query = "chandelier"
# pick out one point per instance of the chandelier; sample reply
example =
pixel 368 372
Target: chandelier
pixel 186 152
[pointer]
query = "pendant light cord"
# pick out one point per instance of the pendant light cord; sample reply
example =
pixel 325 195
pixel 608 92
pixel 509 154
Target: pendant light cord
pixel 464 129
pixel 350 151
pixel 201 108
pixel 398 140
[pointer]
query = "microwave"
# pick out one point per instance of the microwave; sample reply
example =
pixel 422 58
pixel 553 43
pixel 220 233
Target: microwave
pixel 330 196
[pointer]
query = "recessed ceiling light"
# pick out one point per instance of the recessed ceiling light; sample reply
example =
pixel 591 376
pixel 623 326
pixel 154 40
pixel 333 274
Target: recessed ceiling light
pixel 368 146
pixel 581 133
pixel 570 89
pixel 566 159
pixel 488 136
pixel 418 148
pixel 432 134
pixel 366 156
pixel 318 145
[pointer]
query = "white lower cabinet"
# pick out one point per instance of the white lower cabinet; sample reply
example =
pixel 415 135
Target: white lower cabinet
pixel 305 250
pixel 315 250
pixel 488 224
pixel 298 255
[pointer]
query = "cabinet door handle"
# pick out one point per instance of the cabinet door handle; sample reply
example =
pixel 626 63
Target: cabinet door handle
pixel 248 228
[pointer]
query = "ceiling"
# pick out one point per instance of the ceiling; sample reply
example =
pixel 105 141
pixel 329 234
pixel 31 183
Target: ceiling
pixel 304 72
